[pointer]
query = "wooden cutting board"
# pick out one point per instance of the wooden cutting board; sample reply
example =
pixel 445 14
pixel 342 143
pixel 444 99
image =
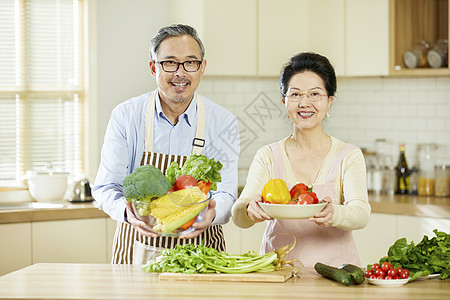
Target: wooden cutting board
pixel 277 276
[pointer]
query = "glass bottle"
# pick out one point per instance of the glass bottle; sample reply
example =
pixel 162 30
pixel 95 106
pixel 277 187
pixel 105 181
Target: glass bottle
pixel 402 172
pixel 426 159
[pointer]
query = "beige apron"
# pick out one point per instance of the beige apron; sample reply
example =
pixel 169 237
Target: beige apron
pixel 328 245
pixel 129 246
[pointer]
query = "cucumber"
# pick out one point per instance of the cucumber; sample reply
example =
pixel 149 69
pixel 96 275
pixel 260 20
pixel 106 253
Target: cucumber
pixel 333 273
pixel 355 273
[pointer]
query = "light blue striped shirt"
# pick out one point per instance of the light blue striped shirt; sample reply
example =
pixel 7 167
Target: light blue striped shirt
pixel 124 145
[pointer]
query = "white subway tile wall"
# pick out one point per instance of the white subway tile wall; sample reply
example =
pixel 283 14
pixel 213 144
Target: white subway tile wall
pixel 412 110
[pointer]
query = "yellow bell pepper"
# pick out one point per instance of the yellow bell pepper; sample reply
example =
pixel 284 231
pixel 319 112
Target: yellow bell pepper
pixel 276 191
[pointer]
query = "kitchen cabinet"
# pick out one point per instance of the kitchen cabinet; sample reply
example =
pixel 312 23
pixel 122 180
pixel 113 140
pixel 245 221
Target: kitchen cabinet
pixel 15 249
pixel 413 21
pixel 227 30
pixel 77 240
pixel 383 230
pixel 288 27
pixel 70 241
pixel 240 240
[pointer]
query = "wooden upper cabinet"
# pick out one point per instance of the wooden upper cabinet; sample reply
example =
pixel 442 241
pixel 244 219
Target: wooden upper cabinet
pixel 412 21
pixel 228 31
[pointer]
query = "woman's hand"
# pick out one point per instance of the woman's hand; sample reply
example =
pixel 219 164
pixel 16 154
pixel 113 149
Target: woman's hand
pixel 208 218
pixel 136 223
pixel 324 217
pixel 255 212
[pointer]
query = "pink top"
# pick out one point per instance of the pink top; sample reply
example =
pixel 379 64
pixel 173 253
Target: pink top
pixel 328 245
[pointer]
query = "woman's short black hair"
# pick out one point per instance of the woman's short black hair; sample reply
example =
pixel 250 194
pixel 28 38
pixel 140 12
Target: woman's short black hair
pixel 313 62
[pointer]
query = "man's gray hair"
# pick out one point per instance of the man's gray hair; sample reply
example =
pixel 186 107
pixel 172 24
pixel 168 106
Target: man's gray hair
pixel 174 30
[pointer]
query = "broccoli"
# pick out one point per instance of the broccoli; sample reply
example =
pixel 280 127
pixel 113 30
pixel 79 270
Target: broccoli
pixel 145 184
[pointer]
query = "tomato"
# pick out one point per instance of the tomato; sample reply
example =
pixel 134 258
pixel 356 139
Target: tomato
pixel 368 273
pixel 373 276
pixel 307 198
pixel 380 272
pixel 172 189
pixel 404 274
pixel 392 272
pixel 375 266
pixel 399 270
pixel 385 266
pixel 298 189
pixel 184 182
pixel 380 277
pixel 315 198
pixel 389 277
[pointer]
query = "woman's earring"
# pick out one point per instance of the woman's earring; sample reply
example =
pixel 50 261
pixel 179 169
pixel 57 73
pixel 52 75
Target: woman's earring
pixel 287 117
pixel 328 115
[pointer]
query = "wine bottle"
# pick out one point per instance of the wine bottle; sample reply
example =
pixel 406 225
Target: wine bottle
pixel 402 172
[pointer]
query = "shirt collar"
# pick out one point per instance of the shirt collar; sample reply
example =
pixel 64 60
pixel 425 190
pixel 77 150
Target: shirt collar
pixel 189 115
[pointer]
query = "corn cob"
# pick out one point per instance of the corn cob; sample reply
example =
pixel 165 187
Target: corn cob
pixel 175 202
pixel 175 209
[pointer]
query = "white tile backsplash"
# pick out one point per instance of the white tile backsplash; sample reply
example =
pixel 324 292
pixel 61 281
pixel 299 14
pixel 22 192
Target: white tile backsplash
pixel 414 110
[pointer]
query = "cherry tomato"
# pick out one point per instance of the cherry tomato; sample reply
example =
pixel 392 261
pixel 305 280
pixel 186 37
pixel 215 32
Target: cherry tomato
pixel 184 182
pixel 380 272
pixel 399 270
pixel 380 277
pixel 373 276
pixel 392 272
pixel 368 273
pixel 404 274
pixel 375 266
pixel 385 266
pixel 389 277
pixel 298 189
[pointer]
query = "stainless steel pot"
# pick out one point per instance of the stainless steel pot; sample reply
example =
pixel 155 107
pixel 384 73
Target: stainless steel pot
pixel 81 191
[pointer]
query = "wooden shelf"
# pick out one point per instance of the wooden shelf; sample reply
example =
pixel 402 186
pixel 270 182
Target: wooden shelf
pixel 411 21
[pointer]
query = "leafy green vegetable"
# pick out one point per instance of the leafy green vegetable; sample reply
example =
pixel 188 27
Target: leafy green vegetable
pixel 191 259
pixel 199 167
pixel 430 256
pixel 145 183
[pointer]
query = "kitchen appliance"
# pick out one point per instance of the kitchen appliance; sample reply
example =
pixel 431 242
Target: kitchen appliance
pixel 81 191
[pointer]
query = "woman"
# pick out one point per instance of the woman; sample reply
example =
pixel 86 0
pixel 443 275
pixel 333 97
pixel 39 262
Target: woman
pixel 336 171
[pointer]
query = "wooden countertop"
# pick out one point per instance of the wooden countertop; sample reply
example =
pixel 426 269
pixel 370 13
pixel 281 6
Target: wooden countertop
pixel 104 281
pixel 433 207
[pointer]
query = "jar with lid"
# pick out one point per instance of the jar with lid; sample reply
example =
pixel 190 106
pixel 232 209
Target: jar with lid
pixel 442 180
pixel 417 55
pixel 426 159
pixel 438 54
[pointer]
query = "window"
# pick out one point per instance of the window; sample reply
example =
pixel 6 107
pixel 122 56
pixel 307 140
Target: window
pixel 41 88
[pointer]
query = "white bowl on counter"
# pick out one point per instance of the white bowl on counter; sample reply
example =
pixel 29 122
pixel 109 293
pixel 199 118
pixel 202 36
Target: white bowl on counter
pixel 48 187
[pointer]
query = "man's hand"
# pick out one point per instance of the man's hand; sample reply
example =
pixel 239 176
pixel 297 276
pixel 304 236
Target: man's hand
pixel 136 223
pixel 208 218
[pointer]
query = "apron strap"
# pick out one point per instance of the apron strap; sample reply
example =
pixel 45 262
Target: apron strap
pixel 277 161
pixel 199 140
pixel 337 162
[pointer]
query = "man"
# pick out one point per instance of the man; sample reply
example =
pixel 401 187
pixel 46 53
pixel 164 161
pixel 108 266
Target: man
pixel 167 125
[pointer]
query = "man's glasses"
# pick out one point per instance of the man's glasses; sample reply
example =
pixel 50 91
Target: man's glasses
pixel 172 66
pixel 313 96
